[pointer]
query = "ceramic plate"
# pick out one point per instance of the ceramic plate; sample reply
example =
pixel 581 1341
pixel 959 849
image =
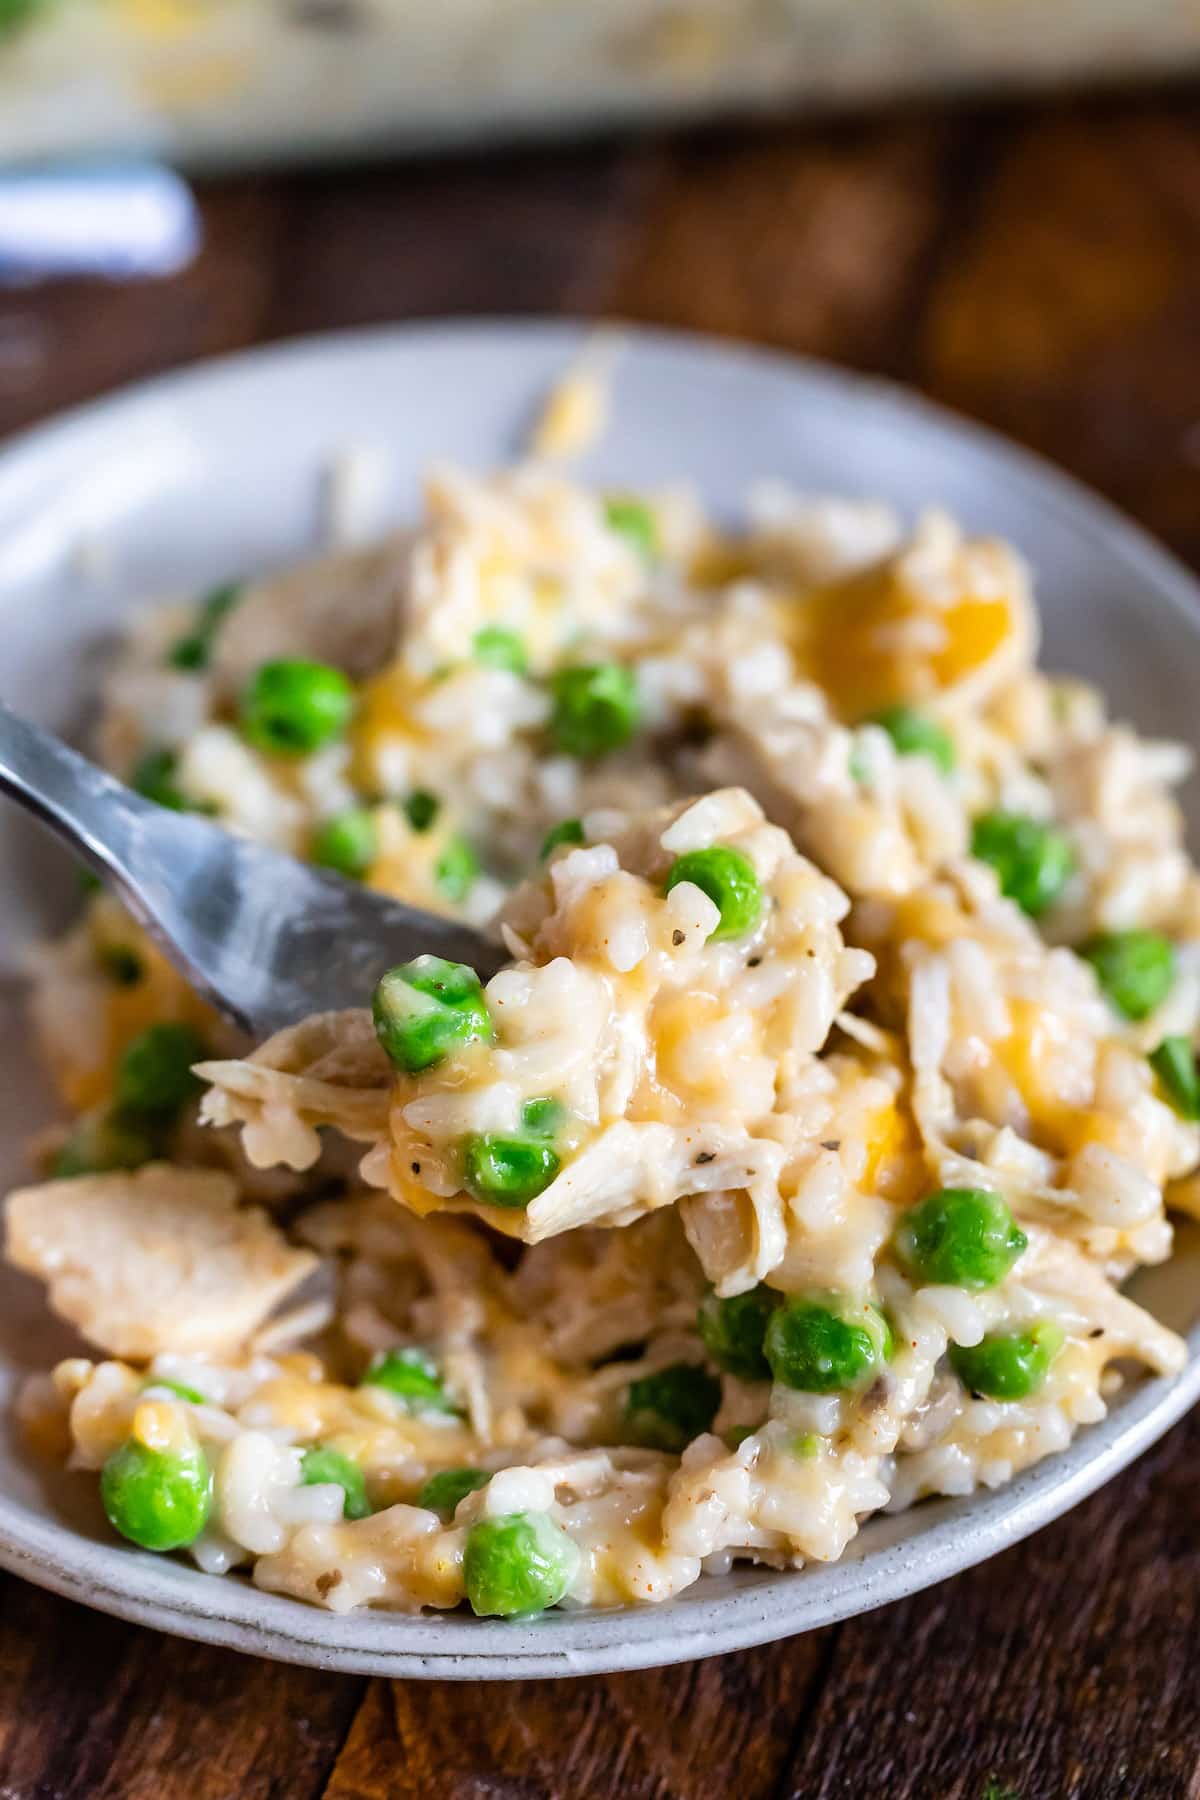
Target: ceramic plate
pixel 224 469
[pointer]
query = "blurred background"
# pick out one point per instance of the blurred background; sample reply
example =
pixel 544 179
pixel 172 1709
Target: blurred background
pixel 998 200
pixel 235 81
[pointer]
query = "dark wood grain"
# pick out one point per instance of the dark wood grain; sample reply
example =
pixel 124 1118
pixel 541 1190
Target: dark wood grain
pixel 644 1737
pixel 1039 269
pixel 91 1707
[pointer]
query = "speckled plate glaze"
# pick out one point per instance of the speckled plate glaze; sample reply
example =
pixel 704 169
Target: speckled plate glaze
pixel 224 469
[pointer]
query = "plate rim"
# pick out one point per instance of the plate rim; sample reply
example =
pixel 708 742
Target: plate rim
pixel 762 1607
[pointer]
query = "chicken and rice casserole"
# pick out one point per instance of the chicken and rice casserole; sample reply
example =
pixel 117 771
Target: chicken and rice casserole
pixel 840 1072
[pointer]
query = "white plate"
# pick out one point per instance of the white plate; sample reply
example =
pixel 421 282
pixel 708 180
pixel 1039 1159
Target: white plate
pixel 222 470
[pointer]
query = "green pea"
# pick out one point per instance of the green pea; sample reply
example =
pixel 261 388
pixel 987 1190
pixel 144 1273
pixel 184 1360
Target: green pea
pixel 1135 968
pixel 100 1143
pixel 180 1389
pixel 1174 1062
pixel 1033 860
pixel 123 966
pixel 159 1499
pixel 806 1445
pixel 292 707
pixel 14 14
pixel 542 1117
pixel 421 809
pixel 666 1410
pixel 154 777
pixel 1008 1365
pixel 737 1435
pixel 347 843
pixel 518 1563
pixel 498 648
pixel 595 708
pixel 567 831
pixel 916 734
pixel 194 649
pixel 425 1008
pixel 503 1171
pixel 821 1347
pixel 733 1331
pixel 456 869
pixel 413 1376
pixel 634 520
pixel 154 1075
pixel 728 878
pixel 443 1491
pixel 960 1237
pixel 321 1465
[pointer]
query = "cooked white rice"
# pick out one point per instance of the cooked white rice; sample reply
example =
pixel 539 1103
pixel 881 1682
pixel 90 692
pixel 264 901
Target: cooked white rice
pixel 754 1113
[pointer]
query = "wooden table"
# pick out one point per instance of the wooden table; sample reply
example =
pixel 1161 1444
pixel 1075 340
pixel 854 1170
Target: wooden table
pixel 1039 269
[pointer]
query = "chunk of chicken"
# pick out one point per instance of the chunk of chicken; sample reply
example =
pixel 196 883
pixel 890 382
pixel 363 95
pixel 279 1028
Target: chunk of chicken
pixel 160 1258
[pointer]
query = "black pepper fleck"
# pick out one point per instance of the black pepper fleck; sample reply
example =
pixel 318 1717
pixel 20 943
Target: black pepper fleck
pixel 677 937
pixel 706 1156
pixel 336 16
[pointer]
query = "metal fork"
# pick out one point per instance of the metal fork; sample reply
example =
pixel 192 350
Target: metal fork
pixel 262 936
